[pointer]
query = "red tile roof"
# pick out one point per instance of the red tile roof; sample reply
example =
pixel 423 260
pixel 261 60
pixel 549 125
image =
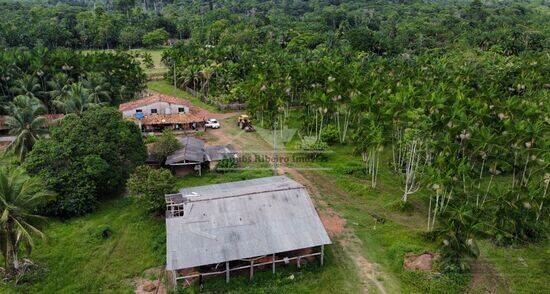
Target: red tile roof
pixel 150 100
pixel 161 119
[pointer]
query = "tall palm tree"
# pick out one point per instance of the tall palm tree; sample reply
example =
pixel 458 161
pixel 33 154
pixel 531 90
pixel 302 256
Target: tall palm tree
pixel 78 100
pixel 27 85
pixel 59 86
pixel 20 195
pixel 25 123
pixel 97 87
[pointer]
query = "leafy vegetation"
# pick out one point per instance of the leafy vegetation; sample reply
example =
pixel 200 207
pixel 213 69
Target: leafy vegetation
pixel 164 145
pixel 20 196
pixel 441 87
pixel 441 108
pixel 69 81
pixel 25 124
pixel 149 186
pixel 75 259
pixel 87 158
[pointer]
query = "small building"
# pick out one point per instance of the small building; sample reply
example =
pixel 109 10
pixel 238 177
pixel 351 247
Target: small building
pixel 155 104
pixel 194 156
pixel 241 226
pixel 189 159
pixel 157 112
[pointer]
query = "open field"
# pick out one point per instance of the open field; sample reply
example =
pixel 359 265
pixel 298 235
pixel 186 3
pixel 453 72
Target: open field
pixel 76 259
pixel 158 68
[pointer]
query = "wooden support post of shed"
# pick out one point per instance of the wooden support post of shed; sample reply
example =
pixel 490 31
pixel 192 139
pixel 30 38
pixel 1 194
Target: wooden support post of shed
pixel 273 263
pixel 322 254
pixel 251 269
pixel 298 262
pixel 175 279
pixel 227 271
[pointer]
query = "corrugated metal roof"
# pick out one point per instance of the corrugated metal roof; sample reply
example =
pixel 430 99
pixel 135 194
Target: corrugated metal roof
pixel 192 151
pixel 220 152
pixel 243 219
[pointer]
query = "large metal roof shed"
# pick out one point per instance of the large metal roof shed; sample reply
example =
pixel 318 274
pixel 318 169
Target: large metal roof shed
pixel 261 222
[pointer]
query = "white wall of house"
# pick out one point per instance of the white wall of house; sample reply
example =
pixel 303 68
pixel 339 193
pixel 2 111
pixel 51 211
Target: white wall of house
pixel 161 107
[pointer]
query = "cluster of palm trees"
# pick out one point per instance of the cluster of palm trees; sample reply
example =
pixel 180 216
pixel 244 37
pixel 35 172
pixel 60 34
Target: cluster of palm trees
pixel 25 113
pixel 452 124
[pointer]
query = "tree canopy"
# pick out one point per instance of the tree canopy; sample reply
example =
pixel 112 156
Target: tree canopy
pixel 87 158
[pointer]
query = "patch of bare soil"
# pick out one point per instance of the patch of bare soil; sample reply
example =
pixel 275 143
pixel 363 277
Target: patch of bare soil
pixel 423 262
pixel 334 224
pixel 485 278
pixel 152 283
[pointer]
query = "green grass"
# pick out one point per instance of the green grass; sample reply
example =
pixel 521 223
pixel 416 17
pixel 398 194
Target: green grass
pixel 163 87
pixel 383 242
pixel 525 269
pixel 75 260
pixel 156 54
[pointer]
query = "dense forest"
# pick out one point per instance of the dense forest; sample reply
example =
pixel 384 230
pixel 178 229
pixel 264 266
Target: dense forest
pixel 451 96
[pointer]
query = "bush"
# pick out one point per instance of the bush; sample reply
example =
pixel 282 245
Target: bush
pixel 149 185
pixel 87 158
pixel 151 139
pixel 155 38
pixel 329 134
pixel 314 150
pixel 352 169
pixel 165 145
pixel 226 164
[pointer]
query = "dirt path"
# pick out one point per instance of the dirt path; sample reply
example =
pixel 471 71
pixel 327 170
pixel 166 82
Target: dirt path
pixel 485 278
pixel 335 225
pixel 316 183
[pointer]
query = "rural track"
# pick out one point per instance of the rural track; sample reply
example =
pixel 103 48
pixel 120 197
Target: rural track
pixel 317 184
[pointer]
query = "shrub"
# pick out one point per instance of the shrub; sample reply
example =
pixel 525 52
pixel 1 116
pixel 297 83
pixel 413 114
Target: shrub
pixel 352 169
pixel 151 139
pixel 226 164
pixel 155 38
pixel 149 185
pixel 329 134
pixel 314 150
pixel 165 145
pixel 87 158
pixel 513 219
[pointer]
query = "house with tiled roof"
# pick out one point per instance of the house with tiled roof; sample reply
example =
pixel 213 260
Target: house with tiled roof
pixel 157 112
pixel 155 104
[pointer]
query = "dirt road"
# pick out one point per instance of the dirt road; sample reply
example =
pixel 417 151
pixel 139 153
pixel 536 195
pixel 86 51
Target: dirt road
pixel 318 185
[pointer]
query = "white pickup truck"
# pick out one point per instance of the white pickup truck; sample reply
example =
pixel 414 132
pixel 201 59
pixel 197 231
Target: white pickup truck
pixel 212 123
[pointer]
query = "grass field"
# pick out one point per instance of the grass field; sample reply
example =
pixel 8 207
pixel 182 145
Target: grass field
pixel 156 54
pixel 75 259
pixel 521 269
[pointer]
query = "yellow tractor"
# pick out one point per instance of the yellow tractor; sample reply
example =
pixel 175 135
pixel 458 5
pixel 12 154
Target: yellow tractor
pixel 243 121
